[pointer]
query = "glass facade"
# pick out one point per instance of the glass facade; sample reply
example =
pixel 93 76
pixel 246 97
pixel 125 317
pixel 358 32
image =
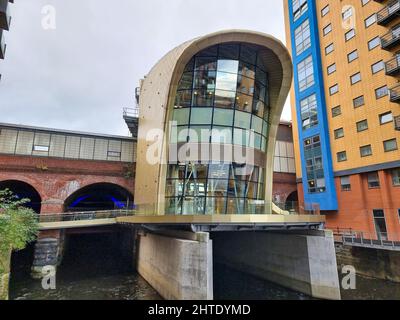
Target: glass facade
pixel 215 188
pixel 222 97
pixel 315 171
pixel 224 88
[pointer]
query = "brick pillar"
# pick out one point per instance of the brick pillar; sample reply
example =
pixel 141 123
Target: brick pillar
pixel 52 206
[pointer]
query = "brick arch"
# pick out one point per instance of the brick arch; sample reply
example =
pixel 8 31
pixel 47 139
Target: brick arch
pixel 24 188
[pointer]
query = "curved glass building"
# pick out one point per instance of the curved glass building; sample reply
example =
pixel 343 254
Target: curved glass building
pixel 224 90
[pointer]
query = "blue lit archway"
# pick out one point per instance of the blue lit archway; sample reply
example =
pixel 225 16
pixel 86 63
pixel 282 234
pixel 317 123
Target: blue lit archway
pixel 99 196
pixel 23 190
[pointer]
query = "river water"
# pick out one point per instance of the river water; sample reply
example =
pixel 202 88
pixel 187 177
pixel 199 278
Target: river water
pixel 88 273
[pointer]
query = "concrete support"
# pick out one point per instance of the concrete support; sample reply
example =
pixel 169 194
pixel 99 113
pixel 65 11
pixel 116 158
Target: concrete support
pixel 49 250
pixel 302 262
pixel 179 269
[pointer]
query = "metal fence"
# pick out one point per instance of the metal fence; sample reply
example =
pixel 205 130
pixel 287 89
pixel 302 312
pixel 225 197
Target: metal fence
pixel 86 215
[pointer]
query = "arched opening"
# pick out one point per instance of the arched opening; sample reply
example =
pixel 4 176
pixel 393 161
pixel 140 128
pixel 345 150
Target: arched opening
pixel 97 197
pixel 21 261
pixel 24 190
pixel 292 201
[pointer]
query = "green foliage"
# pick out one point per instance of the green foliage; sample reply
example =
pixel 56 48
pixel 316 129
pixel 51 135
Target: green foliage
pixel 18 224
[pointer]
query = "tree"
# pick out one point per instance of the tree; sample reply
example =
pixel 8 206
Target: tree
pixel 18 227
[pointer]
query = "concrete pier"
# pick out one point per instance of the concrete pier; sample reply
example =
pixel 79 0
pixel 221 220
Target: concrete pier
pixel 178 267
pixel 302 261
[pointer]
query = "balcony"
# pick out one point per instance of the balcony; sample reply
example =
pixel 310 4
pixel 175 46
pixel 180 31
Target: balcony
pixel 5 18
pixel 392 66
pixel 131 117
pixel 388 13
pixel 397 123
pixel 394 93
pixel 391 39
pixel 2 45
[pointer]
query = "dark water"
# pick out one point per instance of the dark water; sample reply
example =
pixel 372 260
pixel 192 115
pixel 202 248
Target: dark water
pixel 94 268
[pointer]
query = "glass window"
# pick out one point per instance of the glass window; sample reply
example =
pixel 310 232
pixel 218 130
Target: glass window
pixel 199 134
pixel 240 137
pixel 376 67
pixel 374 43
pixel 228 51
pixel 325 11
pixel 332 68
pixel 205 64
pixel 390 145
pixel 242 120
pixel 347 13
pixel 225 99
pixel 314 165
pixel 299 8
pixel 334 89
pixel 352 56
pixel 181 116
pixel 366 151
pixel 228 66
pixel 223 117
pixel 350 34
pixel 204 80
pixel 396 177
pixel 373 180
pixel 186 81
pixel 342 156
pixel 327 29
pixel 336 111
pixel 183 99
pixel 362 125
pixel 358 102
pixel 247 70
pixel 329 49
pixel 201 115
pixel 386 118
pixel 381 92
pixel 339 133
pixel 355 78
pixel 303 37
pixel 221 135
pixel 309 112
pixel 380 224
pixel 256 124
pixel 248 54
pixel 345 183
pixel 227 81
pixel 305 73
pixel 202 98
pixel 244 102
pixel 370 20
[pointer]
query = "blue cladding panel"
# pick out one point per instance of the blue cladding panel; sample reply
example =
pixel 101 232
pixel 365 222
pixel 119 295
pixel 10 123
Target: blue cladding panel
pixel 328 199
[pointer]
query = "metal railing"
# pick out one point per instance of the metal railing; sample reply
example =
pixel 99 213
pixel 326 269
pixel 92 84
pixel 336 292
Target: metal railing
pixel 85 215
pixel 394 93
pixel 365 239
pixel 388 12
pixel 393 65
pixel 389 39
pixel 131 112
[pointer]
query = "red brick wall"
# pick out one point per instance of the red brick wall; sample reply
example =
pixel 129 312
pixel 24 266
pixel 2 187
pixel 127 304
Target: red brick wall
pixel 56 179
pixel 356 206
pixel 283 185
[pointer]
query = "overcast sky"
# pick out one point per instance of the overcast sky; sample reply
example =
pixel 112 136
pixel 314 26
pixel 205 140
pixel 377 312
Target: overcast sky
pixel 80 75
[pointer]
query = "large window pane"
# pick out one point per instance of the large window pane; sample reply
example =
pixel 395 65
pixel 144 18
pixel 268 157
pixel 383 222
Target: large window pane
pixel 221 135
pixel 183 99
pixel 223 117
pixel 242 119
pixel 203 98
pixel 201 116
pixel 244 102
pixel 226 81
pixel 225 99
pixel 205 64
pixel 228 66
pixel 181 116
pixel 205 80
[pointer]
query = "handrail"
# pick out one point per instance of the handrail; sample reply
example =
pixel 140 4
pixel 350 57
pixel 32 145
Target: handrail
pixel 131 112
pixel 393 64
pixel 85 215
pixel 389 38
pixel 394 92
pixel 388 11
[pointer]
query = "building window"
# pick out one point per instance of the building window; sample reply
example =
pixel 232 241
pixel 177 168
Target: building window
pixel 345 183
pixel 114 154
pixel 355 78
pixel 386 118
pixel 380 225
pixel 325 11
pixel 350 34
pixel 305 74
pixel 352 56
pixel 358 102
pixel 329 49
pixel 303 37
pixel 373 180
pixel 342 156
pixel 396 177
pixel 336 111
pixel 339 133
pixel 376 67
pixel 327 29
pixel 346 14
pixel 372 44
pixel 299 7
pixel 370 20
pixel 381 92
pixel 390 145
pixel 314 165
pixel 309 112
pixel 332 68
pixel 362 125
pixel 334 89
pixel 364 2
pixel 41 148
pixel 366 151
